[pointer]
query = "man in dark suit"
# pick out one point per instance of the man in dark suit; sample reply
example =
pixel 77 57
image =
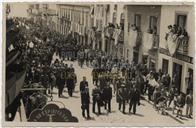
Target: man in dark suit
pixel 71 80
pixel 83 84
pixel 96 93
pixel 122 91
pixel 134 99
pixel 60 81
pixel 85 101
pixel 107 96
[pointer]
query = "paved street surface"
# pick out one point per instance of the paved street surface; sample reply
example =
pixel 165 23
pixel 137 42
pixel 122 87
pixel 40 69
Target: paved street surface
pixel 145 112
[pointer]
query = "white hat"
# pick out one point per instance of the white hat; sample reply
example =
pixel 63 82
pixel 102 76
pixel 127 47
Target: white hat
pixel 123 85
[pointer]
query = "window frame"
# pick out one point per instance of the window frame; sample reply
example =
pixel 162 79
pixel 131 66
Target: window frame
pixel 140 16
pixel 150 21
pixel 181 14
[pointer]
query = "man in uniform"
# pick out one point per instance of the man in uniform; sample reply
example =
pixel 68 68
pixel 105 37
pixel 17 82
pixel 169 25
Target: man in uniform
pixel 122 96
pixel 85 101
pixel 95 75
pixel 71 80
pixel 96 93
pixel 134 98
pixel 60 81
pixel 107 96
pixel 83 84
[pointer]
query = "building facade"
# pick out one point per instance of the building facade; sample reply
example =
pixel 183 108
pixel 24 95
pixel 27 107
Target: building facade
pixel 176 57
pixel 142 27
pixel 45 14
pixel 74 19
pixel 15 10
pixel 109 28
pixel 114 37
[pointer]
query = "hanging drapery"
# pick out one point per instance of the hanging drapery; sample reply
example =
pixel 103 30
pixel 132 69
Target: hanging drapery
pixel 147 43
pixel 118 31
pixel 172 43
pixel 133 38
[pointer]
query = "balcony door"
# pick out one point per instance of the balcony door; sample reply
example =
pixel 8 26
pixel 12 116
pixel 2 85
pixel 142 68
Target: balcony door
pixel 165 65
pixel 137 21
pixel 181 20
pixel 153 23
pixel 177 74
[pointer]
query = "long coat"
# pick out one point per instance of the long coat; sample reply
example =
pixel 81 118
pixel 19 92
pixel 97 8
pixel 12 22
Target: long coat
pixel 60 82
pixel 85 99
pixel 107 94
pixel 83 85
pixel 70 82
pixel 134 96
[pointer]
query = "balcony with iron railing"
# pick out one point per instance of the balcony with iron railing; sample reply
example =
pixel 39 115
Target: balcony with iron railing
pixel 177 40
pixel 183 45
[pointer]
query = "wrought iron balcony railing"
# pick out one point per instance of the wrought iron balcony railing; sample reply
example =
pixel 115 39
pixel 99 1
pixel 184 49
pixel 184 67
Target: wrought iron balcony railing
pixel 183 44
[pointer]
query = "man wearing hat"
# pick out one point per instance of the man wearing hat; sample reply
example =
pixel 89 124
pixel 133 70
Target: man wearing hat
pixel 121 96
pixel 134 98
pixel 70 82
pixel 96 93
pixel 85 101
pixel 107 96
pixel 83 84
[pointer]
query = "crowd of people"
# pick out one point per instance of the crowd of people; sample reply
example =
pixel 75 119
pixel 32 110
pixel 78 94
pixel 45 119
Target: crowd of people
pixel 110 75
pixel 178 33
pixel 125 77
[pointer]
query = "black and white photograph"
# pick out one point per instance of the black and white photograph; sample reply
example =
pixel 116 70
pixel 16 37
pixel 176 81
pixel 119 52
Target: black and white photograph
pixel 86 64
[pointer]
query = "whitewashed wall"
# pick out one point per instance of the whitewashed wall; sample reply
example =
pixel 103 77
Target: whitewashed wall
pixel 168 17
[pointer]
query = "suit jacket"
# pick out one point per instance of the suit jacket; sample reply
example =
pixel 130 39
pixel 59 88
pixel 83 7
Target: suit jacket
pixel 83 85
pixel 134 96
pixel 85 98
pixel 107 93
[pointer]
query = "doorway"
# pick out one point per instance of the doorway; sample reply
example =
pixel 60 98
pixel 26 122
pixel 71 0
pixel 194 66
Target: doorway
pixel 165 66
pixel 177 74
pixel 135 57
